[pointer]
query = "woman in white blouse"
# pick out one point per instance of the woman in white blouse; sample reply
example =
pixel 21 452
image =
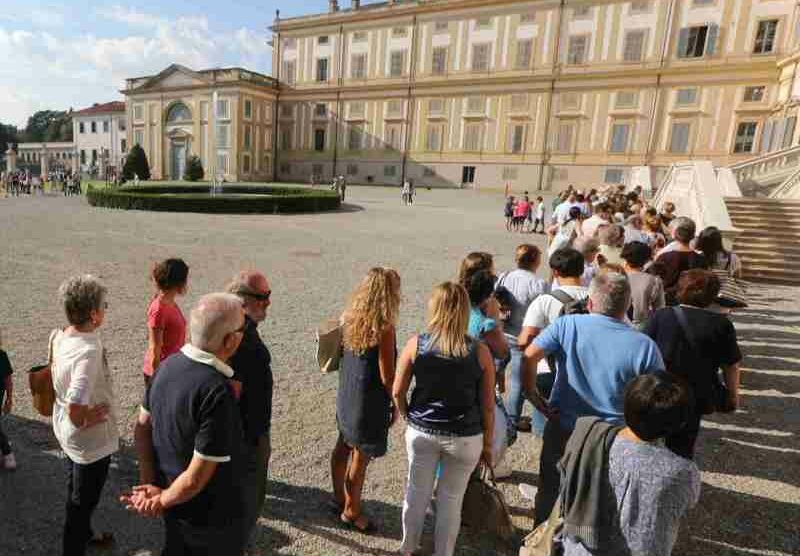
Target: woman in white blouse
pixel 83 414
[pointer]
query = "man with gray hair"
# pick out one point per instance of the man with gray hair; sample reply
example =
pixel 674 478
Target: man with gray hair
pixel 252 368
pixel 596 356
pixel 187 437
pixel 678 257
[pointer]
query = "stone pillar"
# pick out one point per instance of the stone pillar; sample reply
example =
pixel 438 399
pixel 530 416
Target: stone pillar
pixel 101 174
pixel 76 160
pixel 11 159
pixel 45 165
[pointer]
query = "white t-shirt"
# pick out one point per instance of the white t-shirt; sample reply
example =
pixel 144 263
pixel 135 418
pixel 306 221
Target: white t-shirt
pixel 525 286
pixel 546 308
pixel 590 225
pixel 81 376
pixel 540 211
pixel 561 214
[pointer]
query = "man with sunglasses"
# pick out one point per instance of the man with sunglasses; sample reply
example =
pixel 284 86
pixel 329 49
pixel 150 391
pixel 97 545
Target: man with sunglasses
pixel 251 366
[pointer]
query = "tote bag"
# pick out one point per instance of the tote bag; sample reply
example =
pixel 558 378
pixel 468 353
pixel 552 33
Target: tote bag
pixel 40 382
pixel 329 345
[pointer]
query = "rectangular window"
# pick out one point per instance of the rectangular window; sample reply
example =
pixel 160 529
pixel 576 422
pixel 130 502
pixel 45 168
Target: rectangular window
pixel 397 63
pixel 138 112
pixel 392 137
pixel 428 172
pixel 519 102
pixel 679 141
pixel 352 169
pixel 123 125
pixel 745 137
pixel 360 36
pixel 566 135
pixel 640 7
pixel 476 105
pixel 582 12
pixel 324 39
pixel 321 110
pixel 527 17
pixel 439 61
pixel 355 139
pixel 105 126
pixel 94 156
pixel 287 110
pixel 138 137
pixel 435 106
pixel 289 73
pixel 484 21
pixel 576 53
pixel 696 42
pixel 480 57
pixel 358 66
pixel 433 141
pixel 389 171
pixel 686 97
pixel 473 135
pixel 510 173
pixel 441 27
pixel 356 109
pixel 788 133
pixel 765 36
pixel 94 127
pixel 222 163
pixel 286 138
pixel 634 46
pixel 267 139
pixel 394 108
pixel 517 139
pixel 246 163
pixel 398 32
pixel 223 109
pixel 248 137
pixel 124 145
pixel 248 109
pixel 619 138
pixel 626 99
pixel 754 94
pixel 83 156
pixel 267 111
pixel 81 128
pixel 570 101
pixel 613 175
pixel 223 135
pixel 524 54
pixel 319 140
pixel 322 70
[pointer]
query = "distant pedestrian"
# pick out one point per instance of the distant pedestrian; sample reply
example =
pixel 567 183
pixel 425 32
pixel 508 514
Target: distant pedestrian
pixel 540 215
pixel 342 186
pixel 166 326
pixel 508 212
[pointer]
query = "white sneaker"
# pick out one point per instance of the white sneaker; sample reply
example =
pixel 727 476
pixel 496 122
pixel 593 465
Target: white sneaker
pixel 502 470
pixel 528 491
pixel 10 462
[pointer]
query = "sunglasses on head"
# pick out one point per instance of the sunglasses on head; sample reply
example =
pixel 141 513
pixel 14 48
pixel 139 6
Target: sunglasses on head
pixel 257 296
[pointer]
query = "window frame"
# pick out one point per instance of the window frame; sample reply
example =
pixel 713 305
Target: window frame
pixel 402 54
pixel 487 46
pixel 441 67
pixel 358 61
pixel 771 41
pixel 671 141
pixel 748 95
pixel 740 141
pixel 571 61
pixel 626 145
pixel 524 51
pixel 322 70
pixel 642 45
pixel 317 146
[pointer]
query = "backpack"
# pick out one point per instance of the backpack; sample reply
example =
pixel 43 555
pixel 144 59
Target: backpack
pixel 571 306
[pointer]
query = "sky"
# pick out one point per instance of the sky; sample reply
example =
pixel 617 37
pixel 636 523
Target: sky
pixel 73 53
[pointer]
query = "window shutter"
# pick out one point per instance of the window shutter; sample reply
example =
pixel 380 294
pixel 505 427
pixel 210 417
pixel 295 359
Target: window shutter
pixel 711 39
pixel 683 40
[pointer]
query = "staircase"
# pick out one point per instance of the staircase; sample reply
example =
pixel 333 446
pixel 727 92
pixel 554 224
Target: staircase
pixel 769 242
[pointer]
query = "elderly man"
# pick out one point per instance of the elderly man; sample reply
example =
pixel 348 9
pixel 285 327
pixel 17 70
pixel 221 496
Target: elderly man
pixel 596 356
pixel 251 367
pixel 187 437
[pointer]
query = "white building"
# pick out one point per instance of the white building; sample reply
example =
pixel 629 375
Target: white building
pixel 99 127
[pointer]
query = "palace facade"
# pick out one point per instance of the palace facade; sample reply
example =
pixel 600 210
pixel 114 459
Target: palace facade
pixel 535 94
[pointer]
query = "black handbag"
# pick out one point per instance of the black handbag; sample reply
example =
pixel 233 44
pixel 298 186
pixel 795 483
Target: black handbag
pixel 718 400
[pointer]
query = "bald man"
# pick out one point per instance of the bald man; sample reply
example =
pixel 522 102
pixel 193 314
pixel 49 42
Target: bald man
pixel 251 367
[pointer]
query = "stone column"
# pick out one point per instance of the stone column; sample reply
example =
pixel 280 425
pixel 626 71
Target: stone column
pixel 76 159
pixel 101 175
pixel 11 159
pixel 45 169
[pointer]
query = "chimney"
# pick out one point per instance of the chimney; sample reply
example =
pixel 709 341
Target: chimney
pixel 355 4
pixel 333 6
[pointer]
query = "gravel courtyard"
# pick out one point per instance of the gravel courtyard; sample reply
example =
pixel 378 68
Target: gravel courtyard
pixel 751 460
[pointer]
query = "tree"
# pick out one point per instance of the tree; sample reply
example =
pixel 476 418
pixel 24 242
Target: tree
pixel 136 163
pixel 194 169
pixel 49 125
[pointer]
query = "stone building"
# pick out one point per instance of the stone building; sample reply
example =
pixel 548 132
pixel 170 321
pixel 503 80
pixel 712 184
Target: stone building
pixel 224 116
pixel 41 158
pixel 101 131
pixel 536 94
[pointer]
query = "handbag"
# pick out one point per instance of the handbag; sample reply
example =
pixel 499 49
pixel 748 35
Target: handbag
pixel 484 507
pixel 732 292
pixel 546 539
pixel 329 345
pixel 718 400
pixel 40 382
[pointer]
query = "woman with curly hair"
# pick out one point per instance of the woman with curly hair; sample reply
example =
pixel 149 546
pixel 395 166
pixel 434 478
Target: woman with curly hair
pixel 364 410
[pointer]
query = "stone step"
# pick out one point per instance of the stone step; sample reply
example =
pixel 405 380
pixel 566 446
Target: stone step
pixel 750 201
pixel 790 267
pixel 765 244
pixel 777 279
pixel 789 236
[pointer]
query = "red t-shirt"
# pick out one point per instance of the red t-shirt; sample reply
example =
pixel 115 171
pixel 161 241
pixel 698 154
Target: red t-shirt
pixel 169 319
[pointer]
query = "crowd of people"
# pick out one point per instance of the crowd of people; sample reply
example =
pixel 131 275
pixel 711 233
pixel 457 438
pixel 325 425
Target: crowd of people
pixel 22 182
pixel 618 351
pixel 519 214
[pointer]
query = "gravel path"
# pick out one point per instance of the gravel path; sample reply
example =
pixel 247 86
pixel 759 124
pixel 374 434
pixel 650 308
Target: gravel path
pixel 751 460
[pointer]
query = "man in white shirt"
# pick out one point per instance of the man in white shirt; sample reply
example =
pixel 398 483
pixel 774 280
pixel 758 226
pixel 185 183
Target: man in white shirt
pixel 601 217
pixel 561 214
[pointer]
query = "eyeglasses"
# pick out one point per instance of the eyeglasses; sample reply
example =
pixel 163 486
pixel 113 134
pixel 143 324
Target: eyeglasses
pixel 258 296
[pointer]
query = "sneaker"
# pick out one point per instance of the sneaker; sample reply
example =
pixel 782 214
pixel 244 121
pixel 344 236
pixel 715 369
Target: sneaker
pixel 502 470
pixel 527 491
pixel 10 462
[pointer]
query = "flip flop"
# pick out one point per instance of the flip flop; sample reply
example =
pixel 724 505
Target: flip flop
pixel 102 540
pixel 368 529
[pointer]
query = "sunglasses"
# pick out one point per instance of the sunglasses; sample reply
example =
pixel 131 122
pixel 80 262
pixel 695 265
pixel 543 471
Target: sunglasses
pixel 258 296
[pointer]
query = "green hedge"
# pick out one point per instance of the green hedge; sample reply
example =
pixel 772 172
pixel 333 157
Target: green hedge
pixel 237 199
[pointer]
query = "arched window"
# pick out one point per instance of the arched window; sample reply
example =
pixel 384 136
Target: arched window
pixel 179 113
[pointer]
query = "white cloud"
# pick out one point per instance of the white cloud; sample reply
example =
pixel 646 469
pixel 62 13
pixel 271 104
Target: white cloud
pixel 57 72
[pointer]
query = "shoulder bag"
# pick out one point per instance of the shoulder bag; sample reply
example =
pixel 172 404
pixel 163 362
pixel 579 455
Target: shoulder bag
pixel 40 382
pixel 732 292
pixel 484 507
pixel 329 345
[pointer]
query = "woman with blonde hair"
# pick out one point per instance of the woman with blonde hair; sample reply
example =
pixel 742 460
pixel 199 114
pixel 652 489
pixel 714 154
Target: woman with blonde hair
pixel 450 415
pixel 364 410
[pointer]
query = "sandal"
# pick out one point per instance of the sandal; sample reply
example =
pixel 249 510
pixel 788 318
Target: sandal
pixel 103 540
pixel 367 529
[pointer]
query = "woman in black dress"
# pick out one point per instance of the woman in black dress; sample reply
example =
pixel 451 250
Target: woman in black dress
pixel 364 410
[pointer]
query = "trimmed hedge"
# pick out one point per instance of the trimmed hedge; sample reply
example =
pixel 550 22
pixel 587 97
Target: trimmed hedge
pixel 236 199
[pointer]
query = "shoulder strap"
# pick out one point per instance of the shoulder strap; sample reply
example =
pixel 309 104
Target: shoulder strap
pixel 562 296
pixel 53 334
pixel 684 324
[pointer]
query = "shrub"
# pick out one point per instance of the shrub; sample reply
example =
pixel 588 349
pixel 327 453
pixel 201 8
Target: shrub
pixel 237 199
pixel 194 169
pixel 136 163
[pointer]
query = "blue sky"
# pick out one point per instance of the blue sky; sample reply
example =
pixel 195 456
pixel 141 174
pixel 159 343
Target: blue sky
pixel 71 53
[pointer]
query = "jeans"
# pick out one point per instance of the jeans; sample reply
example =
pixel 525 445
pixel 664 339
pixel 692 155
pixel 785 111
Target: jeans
pixel 515 397
pixel 184 539
pixel 458 456
pixel 554 442
pixel 256 471
pixel 84 485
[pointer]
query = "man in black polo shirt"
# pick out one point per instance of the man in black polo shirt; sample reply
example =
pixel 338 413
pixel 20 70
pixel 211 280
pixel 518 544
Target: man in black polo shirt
pixel 251 366
pixel 187 438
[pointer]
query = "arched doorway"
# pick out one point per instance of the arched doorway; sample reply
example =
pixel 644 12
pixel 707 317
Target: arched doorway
pixel 178 122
